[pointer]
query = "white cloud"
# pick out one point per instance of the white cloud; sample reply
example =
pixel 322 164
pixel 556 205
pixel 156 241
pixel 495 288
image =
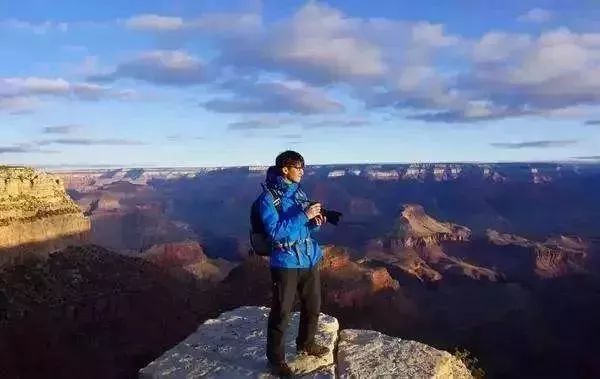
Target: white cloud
pixel 274 97
pixel 536 15
pixel 36 28
pixel 18 95
pixel 416 67
pixel 170 67
pixel 213 23
pixel 154 22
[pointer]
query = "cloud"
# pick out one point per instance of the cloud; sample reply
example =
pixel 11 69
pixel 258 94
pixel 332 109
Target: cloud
pixel 60 129
pixel 589 157
pixel 14 149
pixel 263 122
pixel 220 24
pixel 533 144
pixel 318 44
pixel 340 123
pixel 90 142
pixel 19 95
pixel 592 122
pixel 517 75
pixel 154 22
pixel 168 67
pixel 23 148
pixel 273 97
pixel 536 15
pixel 36 28
pixel 292 136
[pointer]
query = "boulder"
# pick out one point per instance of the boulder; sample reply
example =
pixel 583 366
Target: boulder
pixel 370 354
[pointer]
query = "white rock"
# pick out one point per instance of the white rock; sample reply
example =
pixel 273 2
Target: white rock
pixel 233 346
pixel 370 354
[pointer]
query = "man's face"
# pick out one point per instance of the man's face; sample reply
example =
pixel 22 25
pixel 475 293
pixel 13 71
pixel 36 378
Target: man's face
pixel 294 172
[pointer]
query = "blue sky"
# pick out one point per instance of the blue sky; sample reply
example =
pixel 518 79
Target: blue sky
pixel 205 83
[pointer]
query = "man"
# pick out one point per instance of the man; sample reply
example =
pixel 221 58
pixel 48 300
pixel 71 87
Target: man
pixel 294 259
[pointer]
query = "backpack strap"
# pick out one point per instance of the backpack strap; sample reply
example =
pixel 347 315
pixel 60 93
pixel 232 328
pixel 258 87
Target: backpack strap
pixel 275 195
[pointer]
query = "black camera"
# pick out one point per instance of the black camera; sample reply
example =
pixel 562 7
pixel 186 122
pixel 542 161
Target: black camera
pixel 332 217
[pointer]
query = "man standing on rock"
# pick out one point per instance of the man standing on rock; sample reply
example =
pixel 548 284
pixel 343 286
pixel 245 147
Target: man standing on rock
pixel 289 219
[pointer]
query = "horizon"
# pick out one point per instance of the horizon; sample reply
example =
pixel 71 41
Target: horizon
pixel 229 84
pixel 67 168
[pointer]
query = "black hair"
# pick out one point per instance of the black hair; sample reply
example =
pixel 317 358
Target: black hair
pixel 288 158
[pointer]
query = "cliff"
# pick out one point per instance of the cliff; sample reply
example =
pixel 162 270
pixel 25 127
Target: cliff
pixel 36 213
pixel 233 345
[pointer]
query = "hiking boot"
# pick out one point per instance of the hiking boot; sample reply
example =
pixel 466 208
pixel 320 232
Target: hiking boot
pixel 313 349
pixel 281 369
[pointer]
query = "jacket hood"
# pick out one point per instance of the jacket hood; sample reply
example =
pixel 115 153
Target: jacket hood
pixel 277 182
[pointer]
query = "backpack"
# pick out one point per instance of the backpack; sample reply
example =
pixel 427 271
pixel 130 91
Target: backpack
pixel 260 243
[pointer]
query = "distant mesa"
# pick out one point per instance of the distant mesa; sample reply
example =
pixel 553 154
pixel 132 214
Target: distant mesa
pixel 415 247
pixel 555 257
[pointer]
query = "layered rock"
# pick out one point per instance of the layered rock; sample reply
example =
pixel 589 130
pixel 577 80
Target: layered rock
pixel 558 256
pixel 233 345
pixel 189 256
pixel 36 214
pixel 417 229
pixel 131 218
pixel 350 284
pixel 415 247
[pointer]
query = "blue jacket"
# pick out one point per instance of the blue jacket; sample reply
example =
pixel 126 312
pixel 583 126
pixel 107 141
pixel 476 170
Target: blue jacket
pixel 289 229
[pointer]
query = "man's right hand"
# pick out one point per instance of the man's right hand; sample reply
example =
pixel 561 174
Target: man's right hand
pixel 313 211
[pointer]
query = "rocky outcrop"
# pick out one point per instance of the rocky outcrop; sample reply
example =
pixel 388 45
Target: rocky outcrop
pixel 417 229
pixel 175 254
pixel 370 354
pixel 554 257
pixel 189 256
pixel 414 246
pixel 350 284
pixel 36 214
pixel 233 345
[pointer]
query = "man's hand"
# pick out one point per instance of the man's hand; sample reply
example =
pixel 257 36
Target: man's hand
pixel 320 220
pixel 313 211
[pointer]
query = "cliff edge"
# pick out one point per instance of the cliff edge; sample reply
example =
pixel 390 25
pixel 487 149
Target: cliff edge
pixel 233 345
pixel 36 214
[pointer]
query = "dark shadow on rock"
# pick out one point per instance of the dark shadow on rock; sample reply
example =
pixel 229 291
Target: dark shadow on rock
pixel 88 312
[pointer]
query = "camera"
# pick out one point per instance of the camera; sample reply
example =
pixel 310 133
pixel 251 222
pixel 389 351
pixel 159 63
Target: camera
pixel 332 217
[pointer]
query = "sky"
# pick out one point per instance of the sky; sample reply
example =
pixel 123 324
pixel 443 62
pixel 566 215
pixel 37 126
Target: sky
pixel 184 83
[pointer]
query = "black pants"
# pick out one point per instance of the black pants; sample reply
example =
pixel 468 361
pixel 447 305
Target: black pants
pixel 286 283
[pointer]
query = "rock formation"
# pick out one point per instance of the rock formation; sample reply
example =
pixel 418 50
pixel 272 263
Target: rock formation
pixel 129 218
pixel 417 229
pixel 414 246
pixel 370 354
pixel 189 256
pixel 233 345
pixel 350 284
pixel 36 215
pixel 558 256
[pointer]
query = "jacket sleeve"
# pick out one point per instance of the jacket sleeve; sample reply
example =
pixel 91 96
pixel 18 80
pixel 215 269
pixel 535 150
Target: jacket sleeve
pixel 279 226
